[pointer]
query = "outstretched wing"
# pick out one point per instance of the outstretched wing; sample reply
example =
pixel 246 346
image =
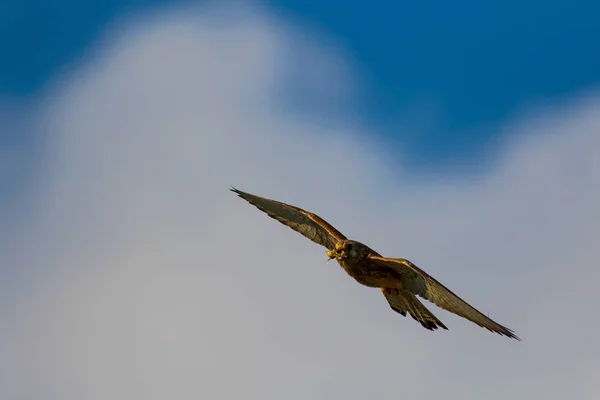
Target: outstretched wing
pixel 417 281
pixel 308 224
pixel 402 302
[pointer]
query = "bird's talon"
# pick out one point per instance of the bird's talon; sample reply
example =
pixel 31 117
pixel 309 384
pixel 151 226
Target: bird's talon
pixel 330 255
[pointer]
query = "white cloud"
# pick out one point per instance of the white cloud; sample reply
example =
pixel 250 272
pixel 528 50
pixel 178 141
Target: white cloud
pixel 146 278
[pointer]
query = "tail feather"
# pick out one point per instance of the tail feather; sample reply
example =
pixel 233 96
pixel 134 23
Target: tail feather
pixel 402 302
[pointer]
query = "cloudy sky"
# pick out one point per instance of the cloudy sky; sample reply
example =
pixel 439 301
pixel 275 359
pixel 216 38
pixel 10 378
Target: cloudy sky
pixel 129 271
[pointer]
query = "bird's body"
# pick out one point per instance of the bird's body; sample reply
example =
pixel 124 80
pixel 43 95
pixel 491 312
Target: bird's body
pixel 353 257
pixel 400 280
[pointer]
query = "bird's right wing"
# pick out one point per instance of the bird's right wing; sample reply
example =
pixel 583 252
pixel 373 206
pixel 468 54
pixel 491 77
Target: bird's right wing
pixel 417 281
pixel 308 224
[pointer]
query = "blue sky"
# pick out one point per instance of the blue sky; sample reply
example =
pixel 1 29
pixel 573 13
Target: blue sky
pixel 449 72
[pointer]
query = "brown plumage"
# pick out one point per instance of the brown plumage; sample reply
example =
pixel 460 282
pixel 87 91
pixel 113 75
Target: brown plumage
pixel 399 280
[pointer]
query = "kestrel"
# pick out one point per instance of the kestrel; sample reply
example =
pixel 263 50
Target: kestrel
pixel 400 280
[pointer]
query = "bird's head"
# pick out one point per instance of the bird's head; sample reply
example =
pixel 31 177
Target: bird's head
pixel 342 250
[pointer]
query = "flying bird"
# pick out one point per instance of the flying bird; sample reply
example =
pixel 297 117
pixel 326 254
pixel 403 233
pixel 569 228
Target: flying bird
pixel 400 280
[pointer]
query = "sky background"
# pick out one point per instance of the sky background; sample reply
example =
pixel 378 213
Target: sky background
pixel 463 138
pixel 436 77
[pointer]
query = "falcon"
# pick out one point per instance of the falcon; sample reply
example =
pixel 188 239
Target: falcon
pixel 400 280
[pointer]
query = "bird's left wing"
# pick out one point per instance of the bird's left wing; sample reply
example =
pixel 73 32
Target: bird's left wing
pixel 308 224
pixel 417 281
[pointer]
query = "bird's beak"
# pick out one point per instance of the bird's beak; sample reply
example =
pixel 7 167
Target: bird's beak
pixel 330 254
